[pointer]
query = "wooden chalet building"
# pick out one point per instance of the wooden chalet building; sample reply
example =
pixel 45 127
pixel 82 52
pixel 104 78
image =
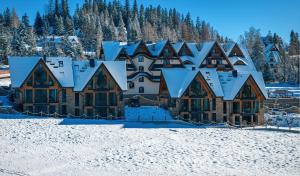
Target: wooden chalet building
pixel 64 86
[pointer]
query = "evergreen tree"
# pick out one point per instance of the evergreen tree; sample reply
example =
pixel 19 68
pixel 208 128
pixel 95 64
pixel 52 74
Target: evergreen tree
pixel 122 32
pixel 25 20
pixel 38 25
pixel 65 8
pixel 59 25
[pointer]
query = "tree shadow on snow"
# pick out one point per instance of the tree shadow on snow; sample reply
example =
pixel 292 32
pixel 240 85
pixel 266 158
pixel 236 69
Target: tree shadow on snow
pixel 128 124
pixel 284 130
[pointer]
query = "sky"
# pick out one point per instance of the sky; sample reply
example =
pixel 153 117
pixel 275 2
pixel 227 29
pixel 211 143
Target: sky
pixel 230 18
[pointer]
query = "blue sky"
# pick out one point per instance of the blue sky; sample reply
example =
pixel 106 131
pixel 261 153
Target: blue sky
pixel 230 17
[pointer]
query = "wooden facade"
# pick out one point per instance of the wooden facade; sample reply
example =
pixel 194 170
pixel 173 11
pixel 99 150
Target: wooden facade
pixel 41 92
pixel 199 104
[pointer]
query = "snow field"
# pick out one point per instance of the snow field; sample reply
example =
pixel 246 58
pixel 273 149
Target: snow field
pixel 42 146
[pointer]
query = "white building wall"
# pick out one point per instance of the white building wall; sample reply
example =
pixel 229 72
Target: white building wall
pixel 149 87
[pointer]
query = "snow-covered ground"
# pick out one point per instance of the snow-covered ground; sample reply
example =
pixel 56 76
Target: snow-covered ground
pixel 43 146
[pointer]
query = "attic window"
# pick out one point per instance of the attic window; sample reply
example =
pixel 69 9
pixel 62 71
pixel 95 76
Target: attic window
pixel 141 59
pixel 60 63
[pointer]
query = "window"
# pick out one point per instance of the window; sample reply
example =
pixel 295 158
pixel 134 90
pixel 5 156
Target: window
pixel 52 109
pixel 28 96
pixel 141 68
pixel 63 96
pixel 205 117
pixel 90 84
pixel 89 112
pixel 224 107
pixel 247 91
pixel 256 106
pixel 112 99
pixel 141 89
pixel 60 63
pixel 76 99
pixel 41 108
pixel 213 61
pixel 213 104
pixel 88 99
pixel 246 107
pixel 236 107
pixel 101 111
pixel 77 112
pixel 184 105
pixel 224 118
pixel 172 102
pixel 101 99
pixel 40 76
pixel 29 81
pixel 141 59
pixel 141 79
pixel 112 112
pixel 237 120
pixel 40 96
pixel 64 110
pixel 50 81
pixel 52 96
pixel 102 82
pixel 206 105
pixel 196 105
pixel 29 108
pixel 131 85
pixel 214 117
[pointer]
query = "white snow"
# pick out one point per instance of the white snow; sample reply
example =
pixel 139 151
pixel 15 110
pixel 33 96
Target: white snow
pixel 5 82
pixel 42 146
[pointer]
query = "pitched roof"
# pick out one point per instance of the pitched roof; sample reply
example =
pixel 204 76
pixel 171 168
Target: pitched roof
pixel 131 47
pixel 178 79
pixel 111 50
pixel 75 74
pixel 177 46
pixel 205 49
pixel 20 68
pixel 156 48
pixel 83 72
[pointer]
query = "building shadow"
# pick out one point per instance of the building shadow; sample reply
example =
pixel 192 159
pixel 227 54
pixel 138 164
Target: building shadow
pixel 129 124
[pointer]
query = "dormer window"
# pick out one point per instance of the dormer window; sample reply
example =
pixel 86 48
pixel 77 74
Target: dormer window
pixel 141 59
pixel 141 68
pixel 60 63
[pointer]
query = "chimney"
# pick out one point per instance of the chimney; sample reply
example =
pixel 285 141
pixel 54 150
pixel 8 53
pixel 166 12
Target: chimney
pixel 193 68
pixel 44 57
pixel 92 62
pixel 234 73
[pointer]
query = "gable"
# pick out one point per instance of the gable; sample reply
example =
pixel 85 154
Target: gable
pixel 101 80
pixel 216 58
pixel 142 49
pixel 41 76
pixel 200 83
pixel 185 51
pixel 236 51
pixel 251 86
pixel 167 51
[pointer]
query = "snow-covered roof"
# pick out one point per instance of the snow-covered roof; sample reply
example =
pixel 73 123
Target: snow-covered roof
pixel 131 47
pixel 73 39
pixel 177 46
pixel 205 49
pixel 20 68
pixel 156 48
pixel 70 73
pixel 212 78
pixel 178 79
pixel 63 73
pixel 232 85
pixel 83 72
pixel 111 50
pixel 227 47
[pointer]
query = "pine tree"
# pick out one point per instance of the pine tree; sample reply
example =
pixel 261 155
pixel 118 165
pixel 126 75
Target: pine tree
pixel 38 25
pixel 122 32
pixel 25 20
pixel 59 25
pixel 69 28
pixel 56 10
pixel 4 44
pixel 65 8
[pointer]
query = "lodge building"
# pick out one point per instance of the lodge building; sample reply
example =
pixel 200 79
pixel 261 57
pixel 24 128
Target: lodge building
pixel 206 82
